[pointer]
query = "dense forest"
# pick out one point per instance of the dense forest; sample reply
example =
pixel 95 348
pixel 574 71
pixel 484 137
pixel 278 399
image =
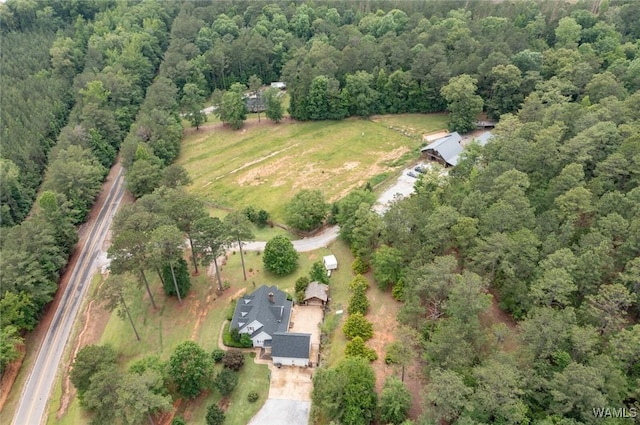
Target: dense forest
pixel 545 218
pixel 86 69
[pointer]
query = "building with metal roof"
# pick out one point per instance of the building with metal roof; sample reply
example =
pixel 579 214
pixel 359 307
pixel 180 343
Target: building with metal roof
pixel 445 150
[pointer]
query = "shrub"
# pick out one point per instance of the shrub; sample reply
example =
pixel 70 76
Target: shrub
pixel 302 283
pixel 357 348
pixel 279 256
pixel 226 382
pixel 359 282
pixel 300 297
pixel 398 291
pixel 262 219
pixel 231 310
pixel 357 325
pixel 394 352
pixel 244 340
pixel 217 354
pixel 252 397
pixel 318 273
pixel 251 213
pixel 359 266
pixel 233 359
pixel 215 415
pixel 178 420
pixel 358 302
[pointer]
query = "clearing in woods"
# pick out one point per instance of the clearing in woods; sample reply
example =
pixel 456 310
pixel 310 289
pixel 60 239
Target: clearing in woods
pixel 264 164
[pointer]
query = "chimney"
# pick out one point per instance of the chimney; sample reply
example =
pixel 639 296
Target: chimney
pixel 271 297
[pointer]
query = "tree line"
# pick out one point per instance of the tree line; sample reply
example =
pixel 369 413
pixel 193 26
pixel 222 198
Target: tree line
pixel 341 58
pixel 119 63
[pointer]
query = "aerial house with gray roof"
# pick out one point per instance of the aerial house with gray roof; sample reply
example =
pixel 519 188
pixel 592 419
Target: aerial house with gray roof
pixel 291 349
pixel 262 314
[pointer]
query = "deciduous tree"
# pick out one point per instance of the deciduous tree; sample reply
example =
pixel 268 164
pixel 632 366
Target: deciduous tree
pixel 306 210
pixel 395 401
pixel 279 256
pixel 232 109
pixel 190 368
pixel 463 102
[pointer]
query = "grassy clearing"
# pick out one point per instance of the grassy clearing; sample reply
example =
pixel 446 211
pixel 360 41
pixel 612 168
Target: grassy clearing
pixel 414 125
pixel 264 164
pixel 259 233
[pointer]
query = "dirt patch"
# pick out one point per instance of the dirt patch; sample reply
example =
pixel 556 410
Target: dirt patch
pixel 494 315
pixel 259 160
pixel 10 374
pixel 385 326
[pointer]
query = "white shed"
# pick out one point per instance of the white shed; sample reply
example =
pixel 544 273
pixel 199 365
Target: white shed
pixel 330 262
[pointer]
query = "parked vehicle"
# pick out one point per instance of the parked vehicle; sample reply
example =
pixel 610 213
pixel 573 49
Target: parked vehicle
pixel 412 174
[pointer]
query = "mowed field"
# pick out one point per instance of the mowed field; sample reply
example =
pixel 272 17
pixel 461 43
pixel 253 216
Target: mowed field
pixel 265 164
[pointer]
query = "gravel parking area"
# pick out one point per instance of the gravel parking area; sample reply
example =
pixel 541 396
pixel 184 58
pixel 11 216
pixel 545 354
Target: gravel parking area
pixel 402 188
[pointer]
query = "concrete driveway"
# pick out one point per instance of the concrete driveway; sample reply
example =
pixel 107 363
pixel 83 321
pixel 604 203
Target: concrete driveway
pixel 290 387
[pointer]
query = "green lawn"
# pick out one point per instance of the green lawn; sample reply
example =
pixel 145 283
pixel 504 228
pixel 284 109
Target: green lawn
pixel 414 125
pixel 264 164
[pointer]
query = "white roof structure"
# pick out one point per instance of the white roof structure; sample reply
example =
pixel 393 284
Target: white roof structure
pixel 484 138
pixel 445 149
pixel 330 262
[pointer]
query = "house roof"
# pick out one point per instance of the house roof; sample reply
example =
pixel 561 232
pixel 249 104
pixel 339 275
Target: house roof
pixel 273 315
pixel 292 345
pixel 316 290
pixel 448 147
pixel 484 138
pixel 330 261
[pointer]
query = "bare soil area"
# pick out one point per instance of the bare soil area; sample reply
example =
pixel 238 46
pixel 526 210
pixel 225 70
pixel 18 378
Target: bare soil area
pixel 385 325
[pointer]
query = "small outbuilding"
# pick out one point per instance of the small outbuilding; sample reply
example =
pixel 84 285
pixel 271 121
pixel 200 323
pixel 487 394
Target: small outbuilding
pixel 330 262
pixel 280 85
pixel 291 349
pixel 316 294
pixel 445 150
pixel 484 138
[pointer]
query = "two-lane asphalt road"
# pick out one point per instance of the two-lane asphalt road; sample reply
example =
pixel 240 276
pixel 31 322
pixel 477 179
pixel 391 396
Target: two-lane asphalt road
pixel 35 394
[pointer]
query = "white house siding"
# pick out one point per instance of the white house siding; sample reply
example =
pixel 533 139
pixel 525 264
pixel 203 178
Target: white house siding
pixel 251 327
pixel 291 361
pixel 258 340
